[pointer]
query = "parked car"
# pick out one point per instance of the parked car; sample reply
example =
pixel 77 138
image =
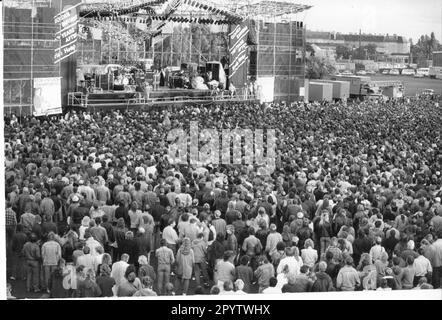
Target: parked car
pixel 424 71
pixel 386 71
pixel 361 73
pixel 418 75
pixel 394 72
pixel 428 92
pixel 371 72
pixel 347 73
pixel 408 72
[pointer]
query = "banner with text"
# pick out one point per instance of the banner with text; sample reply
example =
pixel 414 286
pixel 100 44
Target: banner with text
pixel 238 55
pixel 47 96
pixel 68 33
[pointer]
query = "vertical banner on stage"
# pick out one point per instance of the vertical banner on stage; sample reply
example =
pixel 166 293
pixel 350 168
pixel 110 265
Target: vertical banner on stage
pixel 238 55
pixel 47 96
pixel 67 20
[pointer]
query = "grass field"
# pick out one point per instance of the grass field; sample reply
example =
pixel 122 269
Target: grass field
pixel 413 85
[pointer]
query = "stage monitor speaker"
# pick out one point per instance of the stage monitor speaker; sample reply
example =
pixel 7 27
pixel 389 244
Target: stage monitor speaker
pixel 215 69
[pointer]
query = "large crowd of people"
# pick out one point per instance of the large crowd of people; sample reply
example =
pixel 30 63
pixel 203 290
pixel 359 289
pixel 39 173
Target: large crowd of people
pixel 94 207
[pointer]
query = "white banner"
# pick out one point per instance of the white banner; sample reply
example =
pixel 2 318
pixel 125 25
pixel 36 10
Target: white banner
pixel 47 96
pixel 266 87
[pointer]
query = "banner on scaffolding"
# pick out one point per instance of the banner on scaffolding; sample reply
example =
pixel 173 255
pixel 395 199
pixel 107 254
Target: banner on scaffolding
pixel 47 96
pixel 238 55
pixel 67 20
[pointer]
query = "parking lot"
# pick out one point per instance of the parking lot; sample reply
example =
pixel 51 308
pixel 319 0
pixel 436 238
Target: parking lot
pixel 413 85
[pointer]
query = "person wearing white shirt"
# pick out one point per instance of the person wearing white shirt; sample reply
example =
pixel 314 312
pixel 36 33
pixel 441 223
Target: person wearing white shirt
pixel 293 263
pixel 273 289
pixel 376 250
pixel 170 235
pixel 91 242
pixel 119 269
pixel 422 267
pixel 87 260
pixel 309 255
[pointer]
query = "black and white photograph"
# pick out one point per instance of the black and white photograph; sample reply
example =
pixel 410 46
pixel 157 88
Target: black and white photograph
pixel 237 150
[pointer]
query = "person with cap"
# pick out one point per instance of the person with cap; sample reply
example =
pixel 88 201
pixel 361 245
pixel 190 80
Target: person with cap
pixel 273 239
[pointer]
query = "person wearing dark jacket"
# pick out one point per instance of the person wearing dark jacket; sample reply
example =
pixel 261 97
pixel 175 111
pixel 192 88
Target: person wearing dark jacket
pixel 105 281
pixel 323 281
pixel 129 246
pixel 55 286
pixel 361 245
pixel 215 252
pixel 87 288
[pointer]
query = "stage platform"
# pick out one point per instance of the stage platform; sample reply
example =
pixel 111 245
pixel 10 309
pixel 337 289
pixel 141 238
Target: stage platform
pixel 112 97
pixel 160 97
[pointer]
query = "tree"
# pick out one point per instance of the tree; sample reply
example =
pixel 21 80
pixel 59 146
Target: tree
pixel 317 68
pixel 425 46
pixel 343 52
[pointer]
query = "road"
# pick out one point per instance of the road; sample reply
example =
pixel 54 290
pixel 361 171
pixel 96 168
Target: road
pixel 413 85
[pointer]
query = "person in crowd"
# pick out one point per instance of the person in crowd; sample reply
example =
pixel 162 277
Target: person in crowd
pixel 348 278
pixel 147 288
pixel 264 273
pixel 32 257
pixel 119 269
pixel 55 287
pixel 88 288
pixel 323 282
pixel 105 282
pixel 130 283
pixel 309 255
pixel 166 259
pixel 50 254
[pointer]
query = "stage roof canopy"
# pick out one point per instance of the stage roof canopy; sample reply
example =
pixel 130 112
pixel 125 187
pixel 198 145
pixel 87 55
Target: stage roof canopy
pixel 232 11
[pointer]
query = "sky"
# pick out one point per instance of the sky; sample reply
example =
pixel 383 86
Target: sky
pixel 408 18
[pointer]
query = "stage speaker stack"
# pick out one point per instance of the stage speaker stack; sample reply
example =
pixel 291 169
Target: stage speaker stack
pixel 215 69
